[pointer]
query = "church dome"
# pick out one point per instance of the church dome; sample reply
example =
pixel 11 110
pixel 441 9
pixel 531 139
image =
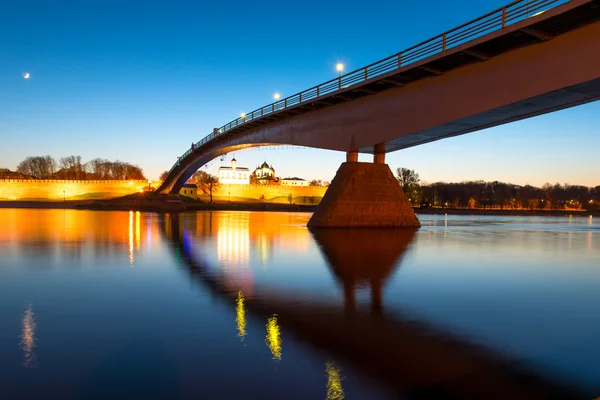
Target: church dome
pixel 265 165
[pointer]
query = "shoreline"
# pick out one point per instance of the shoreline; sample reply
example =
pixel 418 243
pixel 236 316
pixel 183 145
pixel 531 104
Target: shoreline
pixel 517 213
pixel 165 207
pixel 153 206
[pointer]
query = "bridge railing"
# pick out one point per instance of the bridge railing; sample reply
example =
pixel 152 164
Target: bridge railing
pixel 510 14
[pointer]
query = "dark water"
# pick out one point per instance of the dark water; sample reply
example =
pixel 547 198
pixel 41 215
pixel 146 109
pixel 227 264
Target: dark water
pixel 228 305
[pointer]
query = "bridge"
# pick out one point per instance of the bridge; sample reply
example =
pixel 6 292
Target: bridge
pixel 527 58
pixel 409 358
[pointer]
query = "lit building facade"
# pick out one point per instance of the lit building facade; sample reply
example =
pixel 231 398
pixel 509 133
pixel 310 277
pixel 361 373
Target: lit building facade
pixel 294 182
pixel 264 174
pixel 189 190
pixel 234 175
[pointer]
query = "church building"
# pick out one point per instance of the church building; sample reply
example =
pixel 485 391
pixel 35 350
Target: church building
pixel 234 175
pixel 264 174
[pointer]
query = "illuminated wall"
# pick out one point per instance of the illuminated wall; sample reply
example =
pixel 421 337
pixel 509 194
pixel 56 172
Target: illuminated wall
pixel 12 189
pixel 275 193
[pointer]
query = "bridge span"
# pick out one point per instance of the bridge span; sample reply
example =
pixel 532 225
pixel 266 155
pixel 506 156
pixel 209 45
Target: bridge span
pixel 525 59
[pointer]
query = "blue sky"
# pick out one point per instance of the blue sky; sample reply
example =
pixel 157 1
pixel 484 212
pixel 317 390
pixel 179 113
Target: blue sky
pixel 140 81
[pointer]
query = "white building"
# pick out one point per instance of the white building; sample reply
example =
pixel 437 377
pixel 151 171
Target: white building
pixel 234 175
pixel 294 182
pixel 264 174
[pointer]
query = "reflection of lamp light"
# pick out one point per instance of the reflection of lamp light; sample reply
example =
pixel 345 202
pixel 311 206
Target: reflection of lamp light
pixel 335 391
pixel 131 238
pixel 240 316
pixel 274 338
pixel 28 337
pixel 137 230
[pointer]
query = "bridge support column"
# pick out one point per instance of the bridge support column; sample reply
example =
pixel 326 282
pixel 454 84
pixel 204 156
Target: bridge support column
pixel 352 156
pixel 364 195
pixel 379 153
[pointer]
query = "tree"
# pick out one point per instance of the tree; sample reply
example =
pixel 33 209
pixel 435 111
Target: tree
pixel 98 168
pixel 71 168
pixel 40 167
pixel 409 180
pixel 163 176
pixel 207 183
pixel 316 182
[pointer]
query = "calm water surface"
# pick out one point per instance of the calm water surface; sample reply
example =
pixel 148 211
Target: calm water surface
pixel 225 305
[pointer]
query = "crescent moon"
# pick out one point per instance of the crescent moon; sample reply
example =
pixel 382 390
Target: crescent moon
pixel 26 75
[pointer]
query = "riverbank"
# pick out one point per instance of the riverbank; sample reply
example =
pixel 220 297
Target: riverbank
pixel 155 206
pixel 523 213
pixel 152 205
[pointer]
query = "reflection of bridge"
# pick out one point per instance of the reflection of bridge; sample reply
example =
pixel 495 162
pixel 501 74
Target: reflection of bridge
pixel 496 69
pixel 408 358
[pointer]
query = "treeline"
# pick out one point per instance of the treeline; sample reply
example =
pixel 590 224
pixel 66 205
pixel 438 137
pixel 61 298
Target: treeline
pixel 46 167
pixel 500 195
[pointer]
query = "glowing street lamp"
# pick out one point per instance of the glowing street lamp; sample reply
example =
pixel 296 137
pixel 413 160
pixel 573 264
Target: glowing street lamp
pixel 276 96
pixel 243 116
pixel 339 67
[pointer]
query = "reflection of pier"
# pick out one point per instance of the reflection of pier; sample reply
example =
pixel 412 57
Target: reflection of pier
pixel 363 257
pixel 407 357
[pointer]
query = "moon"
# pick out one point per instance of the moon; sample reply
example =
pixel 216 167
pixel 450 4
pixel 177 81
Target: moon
pixel 26 75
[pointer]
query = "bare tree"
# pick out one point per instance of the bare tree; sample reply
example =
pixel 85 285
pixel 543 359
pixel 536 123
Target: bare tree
pixel 72 168
pixel 207 183
pixel 40 167
pixel 163 176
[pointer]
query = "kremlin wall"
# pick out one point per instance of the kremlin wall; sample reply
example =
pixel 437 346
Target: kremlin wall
pixel 310 195
pixel 58 190
pixel 234 186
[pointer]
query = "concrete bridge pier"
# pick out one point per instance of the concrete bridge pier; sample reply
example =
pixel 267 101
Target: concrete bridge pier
pixel 352 156
pixel 364 195
pixel 379 153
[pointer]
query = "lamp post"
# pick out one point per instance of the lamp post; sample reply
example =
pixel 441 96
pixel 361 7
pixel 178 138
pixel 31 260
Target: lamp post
pixel 149 182
pixel 339 67
pixel 276 96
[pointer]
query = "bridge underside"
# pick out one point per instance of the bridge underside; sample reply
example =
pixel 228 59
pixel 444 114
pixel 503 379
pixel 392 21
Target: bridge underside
pixel 557 100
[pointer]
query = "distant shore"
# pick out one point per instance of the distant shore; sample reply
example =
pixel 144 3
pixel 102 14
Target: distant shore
pixel 524 213
pixel 162 206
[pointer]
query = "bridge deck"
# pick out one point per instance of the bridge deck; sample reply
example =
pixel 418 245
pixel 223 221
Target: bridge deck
pixel 519 24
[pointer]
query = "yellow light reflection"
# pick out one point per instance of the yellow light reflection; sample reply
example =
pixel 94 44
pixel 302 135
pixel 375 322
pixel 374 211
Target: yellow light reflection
pixel 131 238
pixel 240 316
pixel 273 339
pixel 137 230
pixel 28 338
pixel 335 391
pixel 233 240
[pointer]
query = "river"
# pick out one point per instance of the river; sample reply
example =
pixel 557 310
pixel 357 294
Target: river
pixel 226 305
